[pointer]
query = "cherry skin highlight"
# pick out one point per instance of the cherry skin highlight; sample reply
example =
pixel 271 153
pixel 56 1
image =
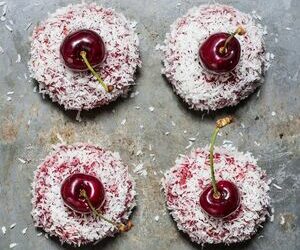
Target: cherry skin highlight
pixel 82 40
pixel 213 59
pixel 224 205
pixel 70 192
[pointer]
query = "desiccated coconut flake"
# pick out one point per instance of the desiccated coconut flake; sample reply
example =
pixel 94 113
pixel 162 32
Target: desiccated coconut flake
pixel 8 99
pixel 273 113
pixel 167 133
pixel 151 109
pixel 192 139
pixel 39 234
pixel 12 245
pixel 2 3
pixel 18 58
pixel 8 27
pixel 3 230
pixel 276 186
pixel 22 160
pixel 156 218
pixel 227 142
pixel 123 122
pixel 139 152
pixel 282 220
pixel 24 230
pixel 190 144
pixel 10 93
pixel 288 28
pixel 12 225
pixel 139 169
pixel 1 50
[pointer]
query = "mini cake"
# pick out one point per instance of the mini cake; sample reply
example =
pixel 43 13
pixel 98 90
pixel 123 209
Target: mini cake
pixel 82 194
pixel 204 72
pixel 110 44
pixel 228 211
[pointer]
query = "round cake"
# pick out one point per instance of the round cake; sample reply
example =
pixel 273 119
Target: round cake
pixel 50 212
pixel 81 90
pixel 184 183
pixel 201 89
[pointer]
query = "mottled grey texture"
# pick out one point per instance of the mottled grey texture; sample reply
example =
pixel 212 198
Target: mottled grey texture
pixel 261 135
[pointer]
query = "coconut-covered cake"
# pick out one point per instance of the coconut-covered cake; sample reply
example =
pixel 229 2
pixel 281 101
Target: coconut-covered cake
pixel 226 211
pixel 104 37
pixel 82 194
pixel 215 56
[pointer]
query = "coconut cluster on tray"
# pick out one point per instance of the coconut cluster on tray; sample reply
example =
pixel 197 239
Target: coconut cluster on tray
pixel 55 218
pixel 80 90
pixel 200 89
pixel 184 183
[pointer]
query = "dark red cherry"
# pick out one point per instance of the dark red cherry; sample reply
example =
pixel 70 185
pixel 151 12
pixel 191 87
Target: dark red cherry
pixel 216 60
pixel 82 40
pixel 70 192
pixel 224 205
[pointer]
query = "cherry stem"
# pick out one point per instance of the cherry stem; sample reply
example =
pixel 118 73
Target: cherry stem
pixel 219 124
pixel 86 61
pixel 120 226
pixel 240 31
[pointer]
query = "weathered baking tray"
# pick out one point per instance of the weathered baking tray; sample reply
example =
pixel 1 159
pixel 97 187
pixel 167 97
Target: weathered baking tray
pixel 268 124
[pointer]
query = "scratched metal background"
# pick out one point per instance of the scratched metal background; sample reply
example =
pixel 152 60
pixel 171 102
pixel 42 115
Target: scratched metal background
pixel 30 124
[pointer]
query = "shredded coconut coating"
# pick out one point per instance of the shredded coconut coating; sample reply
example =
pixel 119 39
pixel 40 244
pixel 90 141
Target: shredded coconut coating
pixel 184 183
pixel 80 90
pixel 49 211
pixel 200 89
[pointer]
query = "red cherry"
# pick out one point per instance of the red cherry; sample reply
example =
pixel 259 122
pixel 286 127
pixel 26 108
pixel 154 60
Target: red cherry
pixel 70 192
pixel 224 205
pixel 213 59
pixel 82 40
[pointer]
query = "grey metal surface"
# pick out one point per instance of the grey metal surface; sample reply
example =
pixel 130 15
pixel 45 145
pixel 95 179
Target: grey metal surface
pixel 272 137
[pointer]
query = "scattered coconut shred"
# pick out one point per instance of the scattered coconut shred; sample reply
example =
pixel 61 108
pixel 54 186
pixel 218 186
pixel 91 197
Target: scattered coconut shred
pixel 184 183
pixel 49 211
pixel 80 90
pixel 202 90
